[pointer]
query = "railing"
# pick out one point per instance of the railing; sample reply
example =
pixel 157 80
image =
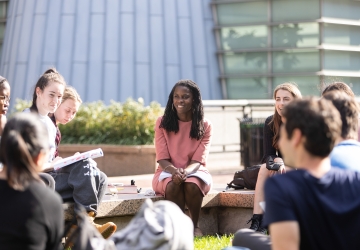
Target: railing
pixel 245 109
pixel 246 106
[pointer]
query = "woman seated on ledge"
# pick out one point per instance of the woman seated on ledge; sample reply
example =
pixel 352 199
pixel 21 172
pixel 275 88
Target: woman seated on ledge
pixel 182 143
pixel 283 95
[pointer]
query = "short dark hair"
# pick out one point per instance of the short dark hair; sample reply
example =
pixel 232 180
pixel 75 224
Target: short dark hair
pixel 319 122
pixel 349 112
pixel 341 86
pixel 23 138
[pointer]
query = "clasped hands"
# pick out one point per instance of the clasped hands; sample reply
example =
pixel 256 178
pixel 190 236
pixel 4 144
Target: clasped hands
pixel 179 176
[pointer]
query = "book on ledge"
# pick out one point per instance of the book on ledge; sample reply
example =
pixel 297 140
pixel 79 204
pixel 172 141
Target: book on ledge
pixel 95 153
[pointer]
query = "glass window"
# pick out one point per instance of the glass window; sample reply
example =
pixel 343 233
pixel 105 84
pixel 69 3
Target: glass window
pixel 247 88
pixel 345 9
pixel 2 31
pixel 245 63
pixel 3 9
pixel 296 61
pixel 244 37
pixel 295 35
pixel 341 34
pixel 242 13
pixel 308 85
pixel 341 60
pixel 291 10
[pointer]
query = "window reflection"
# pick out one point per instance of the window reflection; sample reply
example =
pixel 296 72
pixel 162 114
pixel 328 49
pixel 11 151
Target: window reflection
pixel 296 35
pixel 244 37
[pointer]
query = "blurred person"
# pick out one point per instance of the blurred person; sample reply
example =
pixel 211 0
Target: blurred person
pixel 182 143
pixel 283 95
pixel 346 151
pixel 317 206
pixel 32 215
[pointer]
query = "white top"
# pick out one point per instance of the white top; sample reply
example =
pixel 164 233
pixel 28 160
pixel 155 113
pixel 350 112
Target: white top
pixel 52 133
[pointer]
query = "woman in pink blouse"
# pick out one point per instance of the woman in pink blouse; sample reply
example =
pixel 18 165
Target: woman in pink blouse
pixel 182 142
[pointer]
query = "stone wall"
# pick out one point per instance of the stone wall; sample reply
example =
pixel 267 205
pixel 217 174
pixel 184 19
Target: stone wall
pixel 118 160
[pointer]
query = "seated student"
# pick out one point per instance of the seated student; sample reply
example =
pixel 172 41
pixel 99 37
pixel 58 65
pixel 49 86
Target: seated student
pixel 316 206
pixel 31 216
pixel 345 153
pixel 85 191
pixel 283 95
pixel 182 143
pixel 74 180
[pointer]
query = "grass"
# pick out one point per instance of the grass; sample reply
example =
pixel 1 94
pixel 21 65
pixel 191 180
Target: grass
pixel 216 242
pixel 208 242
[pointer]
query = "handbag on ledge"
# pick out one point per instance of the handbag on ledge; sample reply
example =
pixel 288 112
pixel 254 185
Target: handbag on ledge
pixel 245 178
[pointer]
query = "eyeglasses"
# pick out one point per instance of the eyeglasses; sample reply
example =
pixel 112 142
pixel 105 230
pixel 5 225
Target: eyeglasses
pixel 5 98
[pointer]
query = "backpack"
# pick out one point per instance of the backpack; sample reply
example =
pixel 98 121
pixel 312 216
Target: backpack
pixel 245 178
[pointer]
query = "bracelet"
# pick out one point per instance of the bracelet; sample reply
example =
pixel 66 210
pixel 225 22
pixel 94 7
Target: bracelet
pixel 166 167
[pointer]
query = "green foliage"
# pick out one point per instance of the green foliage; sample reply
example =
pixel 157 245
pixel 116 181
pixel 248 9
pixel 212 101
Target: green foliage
pixel 212 242
pixel 130 123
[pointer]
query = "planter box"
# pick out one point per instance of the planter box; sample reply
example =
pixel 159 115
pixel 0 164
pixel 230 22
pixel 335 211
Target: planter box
pixel 118 160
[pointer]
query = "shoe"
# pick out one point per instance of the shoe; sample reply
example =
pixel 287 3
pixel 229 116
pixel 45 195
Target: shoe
pixel 198 232
pixel 69 237
pixel 255 221
pixel 262 230
pixel 106 230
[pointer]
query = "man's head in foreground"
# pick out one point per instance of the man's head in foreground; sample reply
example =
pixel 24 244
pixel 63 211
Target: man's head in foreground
pixel 312 127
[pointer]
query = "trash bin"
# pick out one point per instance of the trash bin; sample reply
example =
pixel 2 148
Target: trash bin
pixel 251 141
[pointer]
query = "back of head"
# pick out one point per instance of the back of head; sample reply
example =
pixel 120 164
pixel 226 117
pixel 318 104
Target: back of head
pixel 349 112
pixel 24 138
pixel 319 122
pixel 341 86
pixel 72 94
pixel 50 75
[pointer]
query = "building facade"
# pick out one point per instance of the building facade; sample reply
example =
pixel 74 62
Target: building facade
pixel 233 49
pixel 262 43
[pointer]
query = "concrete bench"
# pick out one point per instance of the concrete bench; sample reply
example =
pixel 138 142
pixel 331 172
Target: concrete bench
pixel 221 212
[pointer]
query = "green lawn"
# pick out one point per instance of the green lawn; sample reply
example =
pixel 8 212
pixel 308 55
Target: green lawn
pixel 213 242
pixel 209 242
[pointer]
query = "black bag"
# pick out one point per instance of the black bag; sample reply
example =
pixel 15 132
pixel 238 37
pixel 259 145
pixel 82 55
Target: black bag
pixel 245 178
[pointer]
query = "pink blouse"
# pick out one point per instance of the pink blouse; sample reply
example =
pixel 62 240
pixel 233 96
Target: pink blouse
pixel 180 148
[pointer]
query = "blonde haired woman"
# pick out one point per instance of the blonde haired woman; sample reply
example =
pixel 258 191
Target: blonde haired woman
pixel 283 95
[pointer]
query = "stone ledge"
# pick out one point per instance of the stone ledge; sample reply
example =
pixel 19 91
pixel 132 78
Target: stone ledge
pixel 129 204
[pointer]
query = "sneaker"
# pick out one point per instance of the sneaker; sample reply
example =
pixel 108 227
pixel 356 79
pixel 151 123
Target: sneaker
pixel 106 230
pixel 262 230
pixel 255 221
